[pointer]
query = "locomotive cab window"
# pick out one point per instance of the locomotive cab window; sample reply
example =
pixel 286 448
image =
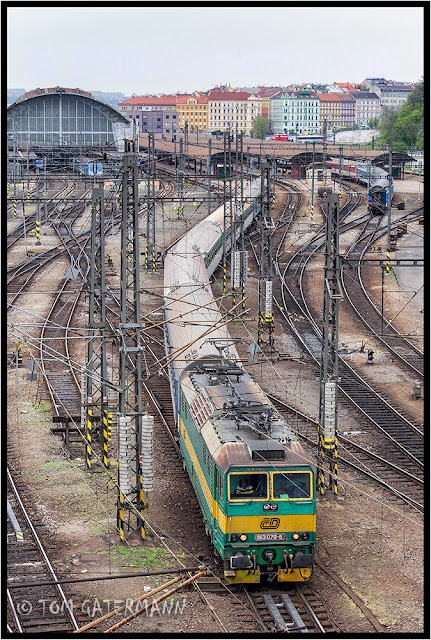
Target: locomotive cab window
pixel 248 486
pixel 291 486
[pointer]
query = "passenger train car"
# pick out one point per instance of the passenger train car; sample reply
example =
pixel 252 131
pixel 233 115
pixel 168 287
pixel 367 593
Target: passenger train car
pixel 375 178
pixel 253 480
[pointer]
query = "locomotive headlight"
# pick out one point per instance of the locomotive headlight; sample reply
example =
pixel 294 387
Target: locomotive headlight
pixel 243 537
pixel 305 535
pixel 295 536
pixel 234 537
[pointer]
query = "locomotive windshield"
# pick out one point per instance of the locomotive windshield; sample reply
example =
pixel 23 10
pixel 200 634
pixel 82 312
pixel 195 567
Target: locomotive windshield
pixel 248 486
pixel 294 485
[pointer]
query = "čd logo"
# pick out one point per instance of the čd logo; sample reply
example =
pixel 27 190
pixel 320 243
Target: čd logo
pixel 270 523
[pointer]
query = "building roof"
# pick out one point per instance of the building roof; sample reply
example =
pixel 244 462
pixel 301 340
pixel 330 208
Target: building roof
pixel 229 95
pixel 358 95
pixel 396 88
pixel 151 100
pixel 346 97
pixel 269 92
pixel 297 94
pixel 42 92
pixel 199 99
pixel 345 85
pixel 329 97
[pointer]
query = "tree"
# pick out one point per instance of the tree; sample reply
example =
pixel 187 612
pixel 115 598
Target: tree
pixel 260 127
pixel 405 127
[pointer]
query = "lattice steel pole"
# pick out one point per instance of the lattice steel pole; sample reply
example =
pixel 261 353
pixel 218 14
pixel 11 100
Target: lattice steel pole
pixel 150 245
pixel 328 403
pixel 130 496
pixel 37 208
pixel 209 176
pixel 97 393
pixel 266 316
pixel 225 214
pixel 180 183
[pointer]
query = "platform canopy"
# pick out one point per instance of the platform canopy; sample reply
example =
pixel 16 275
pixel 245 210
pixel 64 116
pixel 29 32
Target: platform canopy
pixel 307 157
pixel 398 157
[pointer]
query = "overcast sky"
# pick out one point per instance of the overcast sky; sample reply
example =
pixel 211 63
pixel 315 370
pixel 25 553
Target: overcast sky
pixel 168 49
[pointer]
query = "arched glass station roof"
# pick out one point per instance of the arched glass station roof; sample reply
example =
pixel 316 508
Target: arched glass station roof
pixel 59 116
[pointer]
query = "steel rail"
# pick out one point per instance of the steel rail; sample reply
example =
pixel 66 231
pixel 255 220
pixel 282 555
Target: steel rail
pixel 307 605
pixel 317 332
pixel 42 550
pixel 345 364
pixel 354 465
pixel 14 611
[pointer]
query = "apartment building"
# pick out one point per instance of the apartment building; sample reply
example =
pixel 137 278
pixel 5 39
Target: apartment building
pixel 392 96
pixel 153 114
pixel 330 109
pixel 266 93
pixel 233 109
pixel 347 110
pixel 194 111
pixel 295 112
pixel 367 106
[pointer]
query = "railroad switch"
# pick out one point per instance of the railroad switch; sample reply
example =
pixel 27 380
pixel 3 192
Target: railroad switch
pixel 417 391
pixel 370 356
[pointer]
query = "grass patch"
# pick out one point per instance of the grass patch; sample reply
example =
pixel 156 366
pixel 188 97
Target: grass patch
pixel 138 556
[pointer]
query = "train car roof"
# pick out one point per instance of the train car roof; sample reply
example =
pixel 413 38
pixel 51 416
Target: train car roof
pixel 230 439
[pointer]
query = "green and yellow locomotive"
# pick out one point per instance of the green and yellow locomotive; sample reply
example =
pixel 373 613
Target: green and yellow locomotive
pixel 253 480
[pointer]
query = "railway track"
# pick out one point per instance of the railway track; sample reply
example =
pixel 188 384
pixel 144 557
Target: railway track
pixel 402 473
pixel 385 417
pixel 395 473
pixel 355 292
pixel 298 610
pixel 33 609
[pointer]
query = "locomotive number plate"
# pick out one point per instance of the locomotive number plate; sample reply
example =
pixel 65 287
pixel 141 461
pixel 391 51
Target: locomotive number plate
pixel 262 537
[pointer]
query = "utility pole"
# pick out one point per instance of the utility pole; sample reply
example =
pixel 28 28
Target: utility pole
pixel 180 183
pixel 131 497
pixel 390 188
pixel 265 317
pixel 328 404
pixel 325 153
pixel 239 257
pixel 209 176
pixel 150 245
pixel 37 208
pixel 312 183
pixel 96 368
pixel 225 214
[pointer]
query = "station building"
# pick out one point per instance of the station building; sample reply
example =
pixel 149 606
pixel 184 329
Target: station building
pixel 60 117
